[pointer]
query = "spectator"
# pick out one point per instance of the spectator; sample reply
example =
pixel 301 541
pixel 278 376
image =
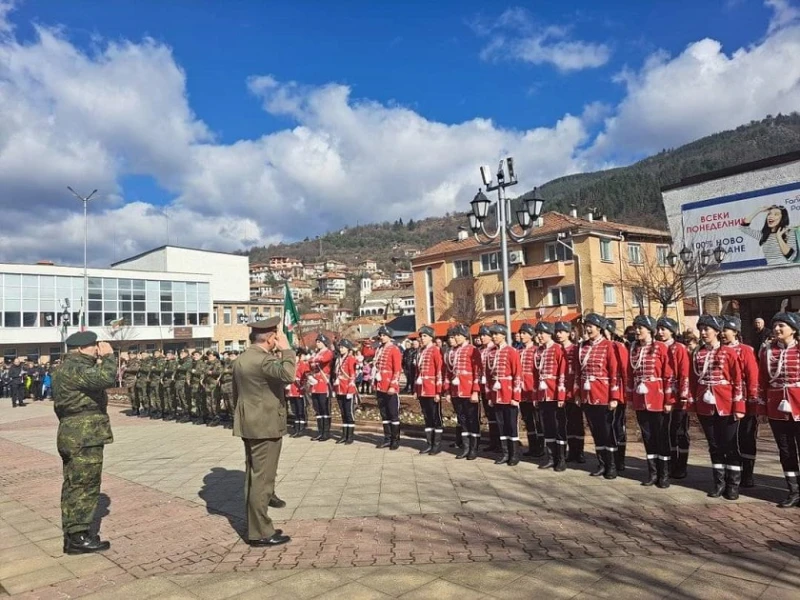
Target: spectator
pixel 366 378
pixel 410 365
pixel 47 384
pixel 760 333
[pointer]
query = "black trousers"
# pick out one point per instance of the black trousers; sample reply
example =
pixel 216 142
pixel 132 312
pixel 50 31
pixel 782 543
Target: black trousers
pixel 787 437
pixel 601 424
pixel 620 426
pixel 748 433
pixel 679 431
pixel 322 406
pixel 17 393
pixel 507 417
pixel 472 417
pixel 432 412
pixel 411 377
pixel 722 433
pixel 655 433
pixel 489 411
pixel 554 420
pixel 532 417
pixel 346 410
pixel 298 405
pixel 574 412
pixel 389 406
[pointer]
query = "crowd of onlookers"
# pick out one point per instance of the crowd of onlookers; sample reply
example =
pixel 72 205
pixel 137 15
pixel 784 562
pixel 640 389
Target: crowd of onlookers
pixel 23 380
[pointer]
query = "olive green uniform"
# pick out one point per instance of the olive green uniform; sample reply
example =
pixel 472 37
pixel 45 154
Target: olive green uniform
pixel 129 381
pixel 226 386
pixel 198 399
pixel 181 386
pixel 168 383
pixel 143 383
pixel 156 387
pixel 211 385
pixel 80 401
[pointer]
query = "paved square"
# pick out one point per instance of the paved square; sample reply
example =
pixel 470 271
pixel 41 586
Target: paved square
pixel 370 523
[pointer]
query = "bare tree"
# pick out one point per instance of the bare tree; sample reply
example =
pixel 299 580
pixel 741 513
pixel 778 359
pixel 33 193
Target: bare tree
pixel 462 300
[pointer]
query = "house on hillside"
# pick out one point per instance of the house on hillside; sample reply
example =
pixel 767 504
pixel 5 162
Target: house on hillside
pixel 332 285
pixel 335 266
pixel 388 303
pixel 367 267
pixel 300 289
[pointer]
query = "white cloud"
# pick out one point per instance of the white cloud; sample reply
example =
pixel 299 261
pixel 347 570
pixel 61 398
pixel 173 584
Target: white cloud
pixel 516 36
pixel 784 13
pixel 6 6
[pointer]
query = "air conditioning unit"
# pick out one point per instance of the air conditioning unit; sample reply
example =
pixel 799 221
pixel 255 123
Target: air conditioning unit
pixel 516 257
pixel 537 284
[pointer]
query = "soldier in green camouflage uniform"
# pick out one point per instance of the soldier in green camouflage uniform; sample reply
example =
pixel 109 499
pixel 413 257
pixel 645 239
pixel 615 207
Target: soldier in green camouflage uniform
pixel 168 386
pixel 196 387
pixel 211 385
pixel 80 401
pixel 156 386
pixel 181 386
pixel 226 385
pixel 129 381
pixel 143 384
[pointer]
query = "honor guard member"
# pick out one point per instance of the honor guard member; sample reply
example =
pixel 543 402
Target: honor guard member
pixel 184 364
pixel 549 368
pixel 129 381
pixel 780 382
pixel 168 386
pixel 80 403
pixel 143 384
pixel 428 387
pixel 527 406
pixel 319 383
pixel 649 392
pixel 680 365
pixel 572 409
pixel 620 421
pixel 344 384
pixel 295 393
pixel 597 387
pixel 259 377
pixel 748 426
pixel 504 383
pixel 211 379
pixel 196 387
pixel 716 385
pixel 488 410
pixel 226 384
pixel 448 372
pixel 388 366
pixel 463 386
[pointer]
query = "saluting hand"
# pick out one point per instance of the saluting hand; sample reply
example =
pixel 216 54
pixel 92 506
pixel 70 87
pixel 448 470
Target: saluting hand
pixel 104 348
pixel 281 341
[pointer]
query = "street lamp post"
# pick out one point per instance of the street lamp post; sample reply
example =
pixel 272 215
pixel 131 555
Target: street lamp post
pixel 84 304
pixel 506 177
pixel 696 265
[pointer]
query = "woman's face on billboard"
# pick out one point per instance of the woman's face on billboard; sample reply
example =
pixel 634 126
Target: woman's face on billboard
pixel 773 217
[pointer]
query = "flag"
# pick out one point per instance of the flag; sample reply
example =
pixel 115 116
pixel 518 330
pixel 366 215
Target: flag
pixel 290 316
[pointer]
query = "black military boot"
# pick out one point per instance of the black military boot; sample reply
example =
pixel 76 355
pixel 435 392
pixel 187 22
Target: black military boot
pixel 560 458
pixel 387 437
pixel 513 453
pixel 619 458
pixel 465 445
pixel 611 465
pixel 503 458
pixel 343 438
pixel 320 429
pixel 550 450
pixel 437 443
pixel 572 451
pixel 459 441
pixel 601 463
pixel 295 429
pixel 495 443
pixel 326 429
pixel 718 476
pixel 351 433
pixel 531 451
pixel 748 466
pixel 429 442
pixel 793 499
pixel 580 457
pixel 472 447
pixel 663 474
pixel 395 433
pixel 679 464
pixel 652 472
pixel 733 479
pixel 84 543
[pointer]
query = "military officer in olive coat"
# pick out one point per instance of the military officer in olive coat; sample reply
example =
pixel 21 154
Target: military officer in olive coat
pixel 260 375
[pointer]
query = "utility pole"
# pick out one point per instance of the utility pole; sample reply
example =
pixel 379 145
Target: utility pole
pixel 85 302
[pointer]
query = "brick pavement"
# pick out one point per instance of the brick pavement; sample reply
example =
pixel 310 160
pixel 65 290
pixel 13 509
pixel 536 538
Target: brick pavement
pixel 161 538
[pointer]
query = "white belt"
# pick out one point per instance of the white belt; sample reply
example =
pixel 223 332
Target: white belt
pixel 721 382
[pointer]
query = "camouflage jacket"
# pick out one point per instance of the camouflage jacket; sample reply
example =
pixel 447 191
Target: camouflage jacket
pixel 226 378
pixel 157 369
pixel 183 368
pixel 80 401
pixel 144 371
pixel 132 368
pixel 196 373
pixel 212 374
pixel 170 368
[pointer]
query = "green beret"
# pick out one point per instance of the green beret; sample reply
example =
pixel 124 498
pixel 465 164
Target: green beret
pixel 81 338
pixel 270 324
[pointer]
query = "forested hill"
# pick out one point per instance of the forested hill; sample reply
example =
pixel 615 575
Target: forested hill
pixel 629 194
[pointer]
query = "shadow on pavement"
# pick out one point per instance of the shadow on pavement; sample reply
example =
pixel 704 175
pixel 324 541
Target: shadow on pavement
pixel 223 493
pixel 103 510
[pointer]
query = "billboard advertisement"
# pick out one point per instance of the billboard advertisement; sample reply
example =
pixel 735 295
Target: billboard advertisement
pixel 758 228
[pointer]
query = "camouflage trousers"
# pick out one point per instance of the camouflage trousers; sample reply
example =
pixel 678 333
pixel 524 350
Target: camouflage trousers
pixel 80 492
pixel 130 388
pixel 227 397
pixel 168 396
pixel 181 399
pixel 198 400
pixel 212 401
pixel 156 397
pixel 142 395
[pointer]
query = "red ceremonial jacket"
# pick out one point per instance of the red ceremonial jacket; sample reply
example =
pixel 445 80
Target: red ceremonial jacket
pixel 548 373
pixel 597 369
pixel 345 378
pixel 748 363
pixel 295 390
pixel 780 380
pixel 570 357
pixel 320 375
pixel 527 361
pixel 429 372
pixel 621 351
pixel 716 373
pixel 680 364
pixel 503 378
pixel 388 366
pixel 463 370
pixel 649 377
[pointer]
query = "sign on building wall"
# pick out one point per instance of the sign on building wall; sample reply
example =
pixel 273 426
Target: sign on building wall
pixel 758 228
pixel 182 333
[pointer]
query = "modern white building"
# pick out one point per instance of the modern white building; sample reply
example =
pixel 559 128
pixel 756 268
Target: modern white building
pixel 744 209
pixel 382 303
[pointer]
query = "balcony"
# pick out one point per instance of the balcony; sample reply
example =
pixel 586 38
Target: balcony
pixel 549 270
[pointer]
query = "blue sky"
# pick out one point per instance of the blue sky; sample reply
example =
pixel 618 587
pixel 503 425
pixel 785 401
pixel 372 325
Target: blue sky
pixel 222 111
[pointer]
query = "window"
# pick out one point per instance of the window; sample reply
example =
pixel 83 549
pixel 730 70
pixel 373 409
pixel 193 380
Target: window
pixel 661 255
pixel 638 297
pixel 634 254
pixel 492 302
pixel 463 268
pixel 609 294
pixel 55 353
pixel 241 317
pixel 226 315
pixel 242 344
pixel 490 262
pixel 228 346
pixel 556 251
pixel 606 253
pixel 562 295
pixel 429 289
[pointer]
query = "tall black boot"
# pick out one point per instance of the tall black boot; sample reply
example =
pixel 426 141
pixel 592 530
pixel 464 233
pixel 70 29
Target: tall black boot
pixel 465 445
pixel 680 464
pixel 572 450
pixel 733 479
pixel 503 458
pixel 320 429
pixel 298 428
pixel 436 447
pixel 611 465
pixel 718 476
pixel 663 473
pixel 539 445
pixel 395 433
pixel 429 440
pixel 748 467
pixel 513 453
pixel 351 433
pixel 472 451
pixel 580 457
pixel 560 458
pixel 601 463
pixel 459 441
pixel 531 451
pixel 793 499
pixel 495 444
pixel 652 472
pixel 549 462
pixel 387 437
pixel 343 437
pixel 619 458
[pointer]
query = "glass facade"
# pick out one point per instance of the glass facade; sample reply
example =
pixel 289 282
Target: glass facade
pixel 43 300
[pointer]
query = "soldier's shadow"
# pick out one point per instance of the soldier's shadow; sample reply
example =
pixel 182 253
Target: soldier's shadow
pixel 103 510
pixel 223 493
